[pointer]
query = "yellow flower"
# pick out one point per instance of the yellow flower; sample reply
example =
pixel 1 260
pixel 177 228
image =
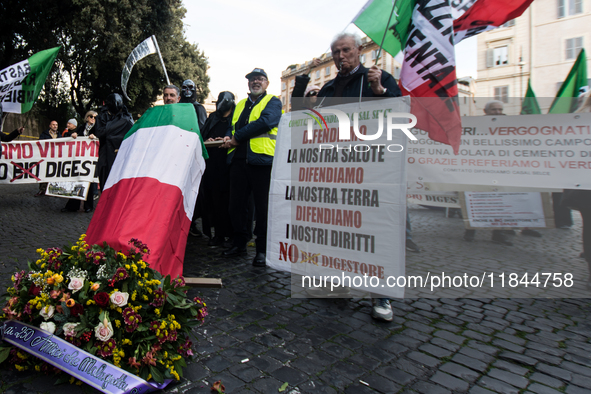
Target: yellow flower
pixel 58 278
pixel 38 368
pixel 20 368
pixel 156 311
pixel 90 302
pixel 39 250
pixel 118 324
pixel 145 297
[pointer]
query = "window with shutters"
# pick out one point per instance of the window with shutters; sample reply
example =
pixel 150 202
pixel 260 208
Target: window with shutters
pixel 362 59
pixel 569 7
pixel 502 93
pixel 283 86
pixel 573 47
pixel 496 57
pixel 317 74
pixel 327 71
pixel 374 54
pixel 292 83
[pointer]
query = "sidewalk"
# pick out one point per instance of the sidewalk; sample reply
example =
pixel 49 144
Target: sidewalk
pixel 257 337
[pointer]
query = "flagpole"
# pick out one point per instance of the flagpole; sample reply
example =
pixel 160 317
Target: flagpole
pixel 161 60
pixel 385 32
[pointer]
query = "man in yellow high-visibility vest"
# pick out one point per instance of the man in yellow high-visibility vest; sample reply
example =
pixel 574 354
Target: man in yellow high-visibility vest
pixel 251 146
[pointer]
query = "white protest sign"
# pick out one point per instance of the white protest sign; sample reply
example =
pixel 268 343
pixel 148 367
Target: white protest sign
pixel 527 151
pixel 496 210
pixel 51 160
pixel 338 207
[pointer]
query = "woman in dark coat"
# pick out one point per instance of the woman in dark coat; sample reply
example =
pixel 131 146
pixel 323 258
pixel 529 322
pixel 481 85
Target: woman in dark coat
pixel 84 130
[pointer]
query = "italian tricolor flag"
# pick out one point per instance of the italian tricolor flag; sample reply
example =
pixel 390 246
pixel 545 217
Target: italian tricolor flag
pixel 151 191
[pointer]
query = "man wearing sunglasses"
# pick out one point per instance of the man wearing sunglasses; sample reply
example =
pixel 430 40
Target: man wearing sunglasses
pixel 251 146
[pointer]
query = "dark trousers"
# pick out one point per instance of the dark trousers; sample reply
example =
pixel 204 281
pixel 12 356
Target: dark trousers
pixel 244 180
pixel 562 213
pixel 74 204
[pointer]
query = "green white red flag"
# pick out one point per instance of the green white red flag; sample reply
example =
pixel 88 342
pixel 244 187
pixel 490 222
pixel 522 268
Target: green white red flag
pixel 424 29
pixel 429 72
pixel 151 190
pixel 21 83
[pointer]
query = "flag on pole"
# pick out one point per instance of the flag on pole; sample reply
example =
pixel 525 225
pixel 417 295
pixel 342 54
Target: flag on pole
pixel 145 48
pixel 566 100
pixel 21 83
pixel 486 15
pixel 151 191
pixel 530 104
pixel 373 18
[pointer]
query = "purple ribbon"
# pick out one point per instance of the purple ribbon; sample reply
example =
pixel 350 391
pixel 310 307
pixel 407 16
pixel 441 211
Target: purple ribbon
pixel 90 369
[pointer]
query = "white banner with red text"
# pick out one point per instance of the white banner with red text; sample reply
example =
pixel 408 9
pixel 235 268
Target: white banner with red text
pixel 525 151
pixel 60 159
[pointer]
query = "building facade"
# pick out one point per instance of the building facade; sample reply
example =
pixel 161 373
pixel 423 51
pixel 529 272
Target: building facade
pixel 542 45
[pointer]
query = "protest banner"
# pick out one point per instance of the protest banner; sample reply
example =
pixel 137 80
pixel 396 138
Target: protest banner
pixel 502 211
pixel 527 151
pixel 61 159
pixel 337 205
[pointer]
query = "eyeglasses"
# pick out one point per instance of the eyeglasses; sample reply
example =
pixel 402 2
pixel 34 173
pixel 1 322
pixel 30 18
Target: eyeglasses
pixel 92 116
pixel 312 94
pixel 257 79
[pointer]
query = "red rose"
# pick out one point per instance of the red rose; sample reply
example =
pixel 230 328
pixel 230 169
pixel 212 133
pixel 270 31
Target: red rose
pixel 101 299
pixel 34 290
pixel 76 310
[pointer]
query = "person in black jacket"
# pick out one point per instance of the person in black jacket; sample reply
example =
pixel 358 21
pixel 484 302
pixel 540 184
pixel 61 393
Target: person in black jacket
pixel 112 124
pixel 356 81
pixel 189 95
pixel 353 79
pixel 214 192
pixel 49 134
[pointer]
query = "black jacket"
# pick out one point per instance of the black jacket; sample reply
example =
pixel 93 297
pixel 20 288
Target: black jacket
pixel 46 136
pixel 358 84
pixel 110 129
pixel 9 137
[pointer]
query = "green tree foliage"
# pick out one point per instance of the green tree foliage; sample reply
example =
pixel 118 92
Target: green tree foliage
pixel 96 37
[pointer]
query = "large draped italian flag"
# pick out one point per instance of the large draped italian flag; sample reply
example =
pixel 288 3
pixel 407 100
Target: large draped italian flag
pixel 151 191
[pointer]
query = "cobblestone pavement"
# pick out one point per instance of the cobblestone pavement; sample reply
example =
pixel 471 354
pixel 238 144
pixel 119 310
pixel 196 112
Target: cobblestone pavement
pixel 257 337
